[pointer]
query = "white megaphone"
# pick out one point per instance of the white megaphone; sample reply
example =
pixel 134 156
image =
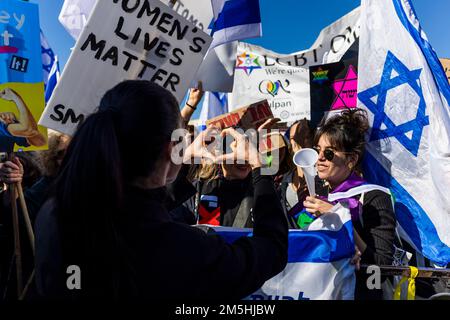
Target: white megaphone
pixel 307 159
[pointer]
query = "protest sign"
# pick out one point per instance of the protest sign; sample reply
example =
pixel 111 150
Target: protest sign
pixel 334 86
pixel 21 83
pixel 283 79
pixel 248 117
pixel 217 70
pixel 446 65
pixel 140 40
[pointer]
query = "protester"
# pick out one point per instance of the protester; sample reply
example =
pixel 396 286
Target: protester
pixel 107 215
pixel 23 169
pixel 225 194
pixel 292 189
pixel 340 142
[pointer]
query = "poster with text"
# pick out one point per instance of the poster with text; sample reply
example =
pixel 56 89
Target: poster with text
pixel 21 84
pixel 334 87
pixel 144 40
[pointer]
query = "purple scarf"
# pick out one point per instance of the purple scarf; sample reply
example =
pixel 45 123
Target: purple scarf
pixel 353 203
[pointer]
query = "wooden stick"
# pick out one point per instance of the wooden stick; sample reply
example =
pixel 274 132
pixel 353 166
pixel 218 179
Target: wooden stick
pixel 30 280
pixel 17 253
pixel 26 217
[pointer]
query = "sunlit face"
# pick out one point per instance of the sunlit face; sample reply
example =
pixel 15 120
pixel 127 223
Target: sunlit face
pixel 236 171
pixel 336 170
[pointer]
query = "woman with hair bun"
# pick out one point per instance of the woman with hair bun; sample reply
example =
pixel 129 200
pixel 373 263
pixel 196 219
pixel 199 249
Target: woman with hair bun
pixel 340 143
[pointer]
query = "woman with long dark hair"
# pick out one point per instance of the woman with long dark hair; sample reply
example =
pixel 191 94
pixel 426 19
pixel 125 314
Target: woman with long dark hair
pixel 108 220
pixel 340 143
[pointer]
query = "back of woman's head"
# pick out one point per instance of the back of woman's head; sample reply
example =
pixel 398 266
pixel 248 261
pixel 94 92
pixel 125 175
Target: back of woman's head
pixel 346 131
pixel 122 141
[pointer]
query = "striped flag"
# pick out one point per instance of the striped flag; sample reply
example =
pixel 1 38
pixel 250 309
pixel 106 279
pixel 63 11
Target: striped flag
pixel 50 66
pixel 235 20
pixel 214 104
pixel 319 266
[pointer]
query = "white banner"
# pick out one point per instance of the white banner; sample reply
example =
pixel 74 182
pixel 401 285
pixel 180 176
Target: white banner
pixel 283 79
pixel 139 40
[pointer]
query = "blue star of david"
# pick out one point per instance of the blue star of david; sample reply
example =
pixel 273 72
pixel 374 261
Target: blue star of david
pixel 405 76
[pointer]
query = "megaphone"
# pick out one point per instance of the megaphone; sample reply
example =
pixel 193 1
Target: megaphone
pixel 307 159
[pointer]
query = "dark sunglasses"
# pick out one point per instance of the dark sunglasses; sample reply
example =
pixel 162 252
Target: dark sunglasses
pixel 329 153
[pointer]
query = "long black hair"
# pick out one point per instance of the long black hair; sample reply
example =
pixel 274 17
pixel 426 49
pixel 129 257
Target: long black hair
pixel 119 143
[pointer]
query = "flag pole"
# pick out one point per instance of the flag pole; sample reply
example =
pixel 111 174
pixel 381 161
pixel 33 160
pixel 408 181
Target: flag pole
pixel 15 221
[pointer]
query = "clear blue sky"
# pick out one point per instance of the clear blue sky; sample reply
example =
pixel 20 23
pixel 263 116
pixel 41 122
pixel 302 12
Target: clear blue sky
pixel 288 25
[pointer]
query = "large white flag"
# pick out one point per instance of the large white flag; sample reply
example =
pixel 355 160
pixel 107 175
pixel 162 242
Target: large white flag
pixel 404 89
pixel 283 79
pixel 75 14
pixel 319 266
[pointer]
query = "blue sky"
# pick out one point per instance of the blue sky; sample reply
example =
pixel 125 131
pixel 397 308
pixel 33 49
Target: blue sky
pixel 288 25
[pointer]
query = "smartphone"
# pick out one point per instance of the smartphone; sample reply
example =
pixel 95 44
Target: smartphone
pixel 321 187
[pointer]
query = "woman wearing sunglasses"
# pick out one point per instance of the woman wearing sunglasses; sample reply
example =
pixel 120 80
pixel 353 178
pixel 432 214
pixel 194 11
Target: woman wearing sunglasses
pixel 340 143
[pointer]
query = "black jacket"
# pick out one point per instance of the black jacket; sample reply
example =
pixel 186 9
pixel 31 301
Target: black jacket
pixel 220 199
pixel 176 261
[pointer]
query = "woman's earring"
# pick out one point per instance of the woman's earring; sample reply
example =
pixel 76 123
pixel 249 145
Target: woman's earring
pixel 350 166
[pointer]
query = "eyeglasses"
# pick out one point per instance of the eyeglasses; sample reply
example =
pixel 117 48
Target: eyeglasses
pixel 329 153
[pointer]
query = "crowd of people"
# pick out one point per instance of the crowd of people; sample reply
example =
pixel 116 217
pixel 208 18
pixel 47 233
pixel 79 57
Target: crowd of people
pixel 111 201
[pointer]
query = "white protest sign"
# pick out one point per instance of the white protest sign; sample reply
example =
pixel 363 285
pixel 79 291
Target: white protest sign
pixel 217 70
pixel 283 79
pixel 138 40
pixel 199 12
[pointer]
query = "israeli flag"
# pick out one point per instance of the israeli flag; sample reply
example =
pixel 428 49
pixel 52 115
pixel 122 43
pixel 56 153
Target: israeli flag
pixel 74 15
pixel 319 266
pixel 50 67
pixel 403 87
pixel 235 20
pixel 214 104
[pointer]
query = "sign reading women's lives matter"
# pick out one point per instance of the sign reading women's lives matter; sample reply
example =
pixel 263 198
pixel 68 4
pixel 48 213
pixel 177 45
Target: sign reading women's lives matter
pixel 141 39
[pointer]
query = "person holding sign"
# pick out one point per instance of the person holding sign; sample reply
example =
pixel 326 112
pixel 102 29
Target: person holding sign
pixel 21 130
pixel 340 142
pixel 106 232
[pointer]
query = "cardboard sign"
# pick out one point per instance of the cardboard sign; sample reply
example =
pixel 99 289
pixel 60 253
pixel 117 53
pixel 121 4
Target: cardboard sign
pixel 21 78
pixel 446 65
pixel 283 79
pixel 139 40
pixel 334 86
pixel 271 141
pixel 249 117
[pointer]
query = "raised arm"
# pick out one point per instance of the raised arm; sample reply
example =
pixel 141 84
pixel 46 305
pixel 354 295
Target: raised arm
pixel 25 125
pixel 195 95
